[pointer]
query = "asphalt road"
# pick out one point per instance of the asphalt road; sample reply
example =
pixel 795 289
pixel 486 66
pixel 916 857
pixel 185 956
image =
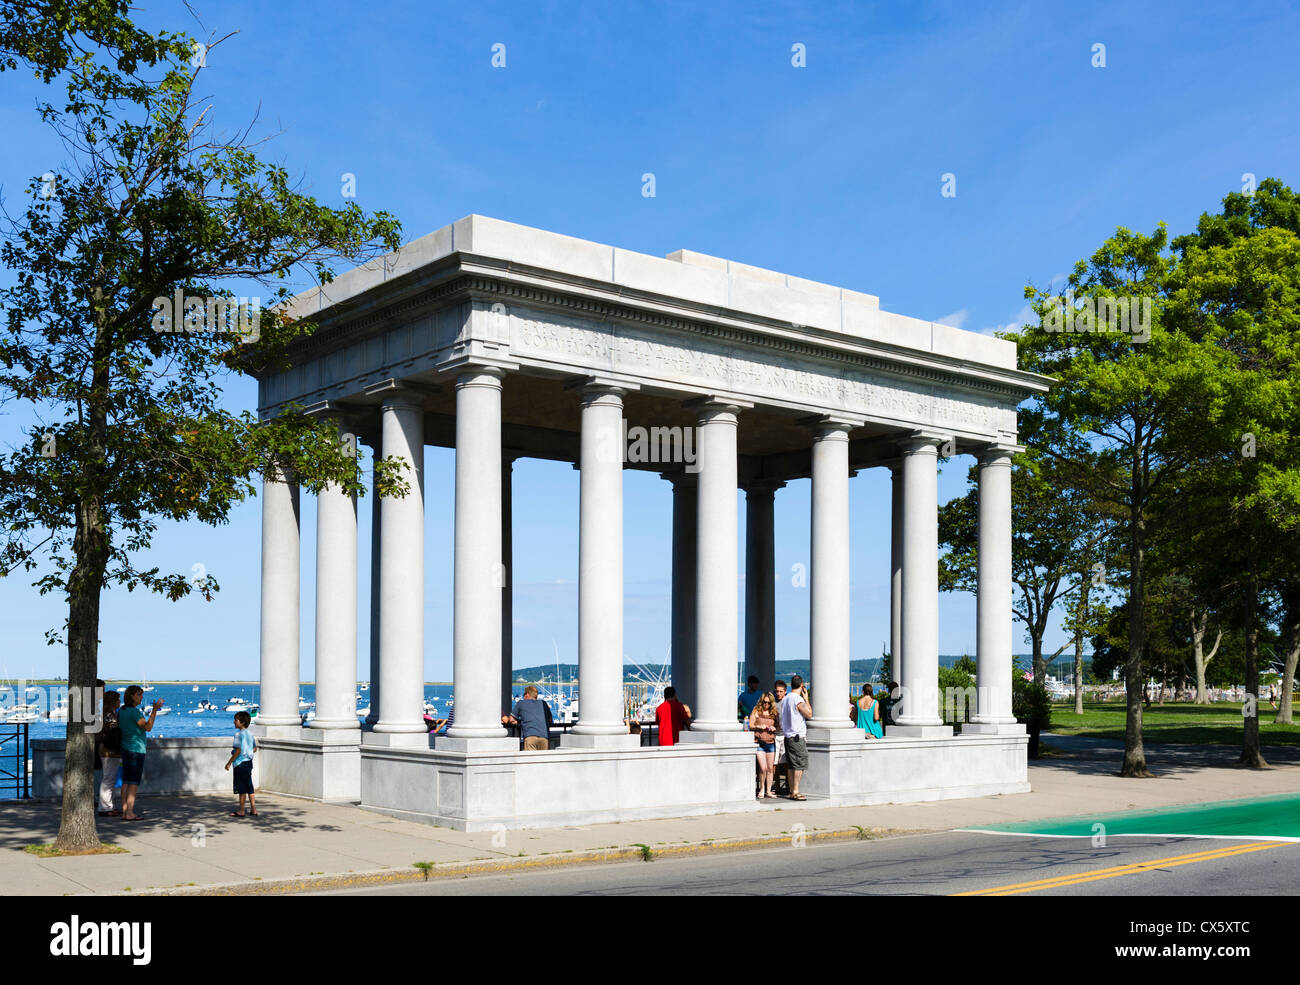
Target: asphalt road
pixel 926 865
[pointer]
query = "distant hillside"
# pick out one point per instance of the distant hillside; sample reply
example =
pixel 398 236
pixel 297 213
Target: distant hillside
pixel 859 670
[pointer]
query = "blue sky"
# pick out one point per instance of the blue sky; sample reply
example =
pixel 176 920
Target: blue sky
pixel 830 171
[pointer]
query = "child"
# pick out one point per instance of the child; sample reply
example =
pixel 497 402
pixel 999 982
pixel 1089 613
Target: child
pixel 241 756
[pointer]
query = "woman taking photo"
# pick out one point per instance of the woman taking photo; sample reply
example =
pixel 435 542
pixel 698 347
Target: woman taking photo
pixel 762 722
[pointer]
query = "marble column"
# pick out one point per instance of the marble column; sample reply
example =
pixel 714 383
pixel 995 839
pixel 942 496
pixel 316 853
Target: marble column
pixel 920 716
pixel 829 620
pixel 717 592
pixel 507 575
pixel 760 582
pixel 600 572
pixel 896 655
pixel 682 654
pixel 376 604
pixel 476 634
pixel 336 606
pixel 994 597
pixel 278 695
pixel 401 576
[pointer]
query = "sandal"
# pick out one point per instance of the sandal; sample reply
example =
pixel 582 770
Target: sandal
pixel 252 813
pixel 237 814
pixel 797 796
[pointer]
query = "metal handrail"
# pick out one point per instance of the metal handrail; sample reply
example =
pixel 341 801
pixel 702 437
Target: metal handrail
pixel 19 735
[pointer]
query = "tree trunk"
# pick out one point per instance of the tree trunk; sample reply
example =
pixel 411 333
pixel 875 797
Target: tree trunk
pixel 1200 659
pixel 1081 612
pixel 1038 663
pixel 1291 634
pixel 77 824
pixel 1135 760
pixel 85 583
pixel 1250 753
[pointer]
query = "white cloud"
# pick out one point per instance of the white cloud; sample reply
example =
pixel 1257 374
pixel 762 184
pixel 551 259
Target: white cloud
pixel 1024 316
pixel 956 320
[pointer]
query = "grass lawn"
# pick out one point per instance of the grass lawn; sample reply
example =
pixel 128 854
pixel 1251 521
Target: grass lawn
pixel 1216 724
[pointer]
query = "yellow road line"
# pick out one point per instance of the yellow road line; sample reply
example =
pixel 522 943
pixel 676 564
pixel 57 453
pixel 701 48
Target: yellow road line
pixel 1132 868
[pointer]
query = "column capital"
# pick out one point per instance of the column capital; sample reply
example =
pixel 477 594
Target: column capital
pixel 396 393
pixel 716 410
pixel 681 478
pixel 830 426
pixel 920 440
pixel 762 487
pixel 998 452
pixel 469 366
pixel 594 387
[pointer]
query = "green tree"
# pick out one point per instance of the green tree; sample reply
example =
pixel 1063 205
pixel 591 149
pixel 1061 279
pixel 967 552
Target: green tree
pixel 1116 418
pixel 1239 292
pixel 127 422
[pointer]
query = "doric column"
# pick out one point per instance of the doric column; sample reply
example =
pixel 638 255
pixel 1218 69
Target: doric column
pixel 278 695
pixel 476 636
pixel 829 621
pixel 507 571
pixel 401 575
pixel 760 581
pixel 336 605
pixel 896 656
pixel 682 654
pixel 600 571
pixel 717 594
pixel 993 596
pixel 920 715
pixel 376 551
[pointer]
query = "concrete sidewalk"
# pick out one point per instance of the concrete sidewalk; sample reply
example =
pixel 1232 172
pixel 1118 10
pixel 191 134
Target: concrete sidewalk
pixel 192 844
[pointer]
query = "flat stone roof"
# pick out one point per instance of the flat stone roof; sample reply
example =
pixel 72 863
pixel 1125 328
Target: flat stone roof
pixel 694 280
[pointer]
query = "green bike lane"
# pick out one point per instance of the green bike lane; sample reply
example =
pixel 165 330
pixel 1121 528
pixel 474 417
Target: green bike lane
pixel 1272 818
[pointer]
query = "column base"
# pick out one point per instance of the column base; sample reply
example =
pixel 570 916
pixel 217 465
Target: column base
pixel 277 731
pixel 738 737
pixel 850 736
pixel 398 740
pixel 323 764
pixel 452 743
pixel 582 740
pixel 919 731
pixel 992 728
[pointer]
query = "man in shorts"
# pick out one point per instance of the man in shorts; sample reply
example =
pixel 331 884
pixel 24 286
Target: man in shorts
pixel 794 714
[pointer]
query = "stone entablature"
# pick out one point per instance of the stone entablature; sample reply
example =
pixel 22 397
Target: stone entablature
pixel 688 325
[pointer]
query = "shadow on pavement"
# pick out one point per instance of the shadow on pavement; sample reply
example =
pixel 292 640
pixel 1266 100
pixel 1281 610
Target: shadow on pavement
pixel 26 823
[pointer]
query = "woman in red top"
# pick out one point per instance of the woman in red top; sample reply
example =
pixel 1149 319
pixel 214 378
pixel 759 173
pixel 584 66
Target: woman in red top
pixel 762 722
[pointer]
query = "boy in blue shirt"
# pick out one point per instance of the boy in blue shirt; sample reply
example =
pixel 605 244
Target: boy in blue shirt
pixel 241 757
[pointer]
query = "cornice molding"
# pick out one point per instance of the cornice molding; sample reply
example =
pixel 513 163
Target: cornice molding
pixel 342 326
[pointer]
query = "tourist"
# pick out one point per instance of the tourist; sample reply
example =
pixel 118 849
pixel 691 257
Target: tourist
pixel 533 716
pixel 672 716
pixel 241 757
pixel 748 698
pixel 134 725
pixel 889 700
pixel 108 743
pixel 794 714
pixel 869 718
pixel 762 722
pixel 782 781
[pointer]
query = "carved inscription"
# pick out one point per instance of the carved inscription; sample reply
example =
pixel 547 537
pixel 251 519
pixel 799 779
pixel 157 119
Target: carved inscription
pixel 757 374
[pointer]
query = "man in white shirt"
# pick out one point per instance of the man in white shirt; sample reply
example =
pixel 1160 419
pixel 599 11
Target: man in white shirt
pixel 794 713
